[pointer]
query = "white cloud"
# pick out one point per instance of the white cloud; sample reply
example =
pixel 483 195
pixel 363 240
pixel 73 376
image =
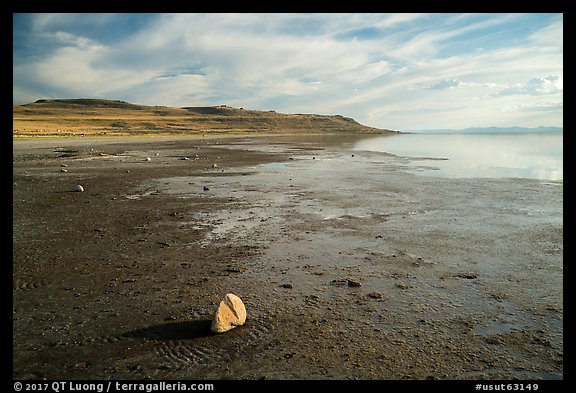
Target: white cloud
pixel 383 70
pixel 171 90
pixel 550 37
pixel 73 67
pixel 443 84
pixel 538 106
pixel 536 86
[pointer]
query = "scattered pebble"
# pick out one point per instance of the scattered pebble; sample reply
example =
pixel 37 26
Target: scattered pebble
pixel 147 159
pixel 468 276
pixel 78 188
pixel 206 188
pixel 63 170
pixel 288 286
pixel 376 295
pixel 312 298
pixel 353 283
pixel 214 166
pixel 233 269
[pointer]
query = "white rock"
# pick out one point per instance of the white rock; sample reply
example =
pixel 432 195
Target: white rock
pixel 78 188
pixel 230 313
pixel 147 159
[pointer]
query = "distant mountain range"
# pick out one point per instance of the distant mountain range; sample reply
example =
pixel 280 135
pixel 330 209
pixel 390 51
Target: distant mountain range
pixel 482 130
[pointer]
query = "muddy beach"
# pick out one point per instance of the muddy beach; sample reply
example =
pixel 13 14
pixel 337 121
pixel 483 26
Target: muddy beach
pixel 350 265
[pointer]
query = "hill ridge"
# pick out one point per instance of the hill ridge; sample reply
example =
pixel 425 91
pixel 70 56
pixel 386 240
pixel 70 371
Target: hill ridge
pixel 102 117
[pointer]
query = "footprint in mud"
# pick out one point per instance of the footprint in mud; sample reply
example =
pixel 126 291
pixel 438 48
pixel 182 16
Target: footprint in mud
pixel 22 284
pixel 112 339
pixel 184 353
pixel 184 344
pixel 312 303
pixel 181 353
pixel 256 329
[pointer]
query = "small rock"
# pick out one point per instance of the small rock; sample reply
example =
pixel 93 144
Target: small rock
pixel 78 188
pixel 64 170
pixel 352 283
pixel 376 295
pixel 230 313
pixel 206 188
pixel 214 166
pixel 233 269
pixel 378 236
pixel 63 165
pixel 185 158
pixel 288 286
pixel 468 276
pixel 147 159
pixel 312 298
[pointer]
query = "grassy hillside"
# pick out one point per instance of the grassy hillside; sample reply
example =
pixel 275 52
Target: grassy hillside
pixel 93 117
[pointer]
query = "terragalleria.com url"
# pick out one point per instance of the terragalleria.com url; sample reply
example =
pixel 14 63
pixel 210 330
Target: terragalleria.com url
pixel 101 387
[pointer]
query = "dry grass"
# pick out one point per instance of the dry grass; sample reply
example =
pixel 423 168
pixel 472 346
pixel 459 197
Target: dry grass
pixel 88 117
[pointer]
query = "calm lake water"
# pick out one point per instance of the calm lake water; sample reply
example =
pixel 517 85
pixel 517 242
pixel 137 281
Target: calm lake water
pixel 523 155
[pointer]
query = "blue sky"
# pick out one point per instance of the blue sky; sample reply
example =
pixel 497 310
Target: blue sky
pixel 399 71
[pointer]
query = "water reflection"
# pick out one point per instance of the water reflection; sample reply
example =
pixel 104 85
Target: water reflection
pixel 525 155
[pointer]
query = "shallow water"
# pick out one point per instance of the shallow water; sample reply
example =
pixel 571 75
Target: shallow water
pixel 459 278
pixel 514 155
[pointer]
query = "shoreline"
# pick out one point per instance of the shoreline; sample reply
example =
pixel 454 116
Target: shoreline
pixel 459 279
pixel 210 135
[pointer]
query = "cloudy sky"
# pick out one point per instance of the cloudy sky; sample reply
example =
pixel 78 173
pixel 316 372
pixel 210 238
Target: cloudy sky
pixel 399 71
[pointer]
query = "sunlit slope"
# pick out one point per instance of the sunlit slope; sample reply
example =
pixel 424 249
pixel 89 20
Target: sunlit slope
pixel 67 117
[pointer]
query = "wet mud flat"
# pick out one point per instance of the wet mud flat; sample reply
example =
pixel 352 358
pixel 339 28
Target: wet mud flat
pixel 350 265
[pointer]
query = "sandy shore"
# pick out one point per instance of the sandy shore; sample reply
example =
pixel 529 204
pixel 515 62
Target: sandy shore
pixel 350 266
